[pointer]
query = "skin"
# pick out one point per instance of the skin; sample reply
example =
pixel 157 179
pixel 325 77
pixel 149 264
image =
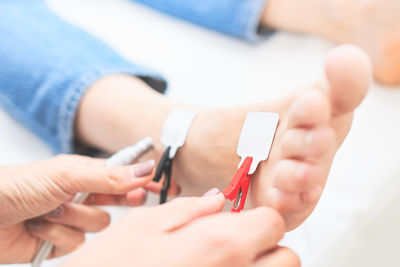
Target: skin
pixel 308 138
pixel 34 201
pixel 373 25
pixel 199 234
pixel 314 122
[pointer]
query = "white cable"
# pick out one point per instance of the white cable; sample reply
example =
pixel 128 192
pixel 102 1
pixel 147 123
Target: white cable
pixel 123 157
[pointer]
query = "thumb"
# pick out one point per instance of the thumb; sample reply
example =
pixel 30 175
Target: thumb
pixel 91 177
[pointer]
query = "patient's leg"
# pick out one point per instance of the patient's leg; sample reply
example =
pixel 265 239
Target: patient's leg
pixel 119 110
pixel 374 25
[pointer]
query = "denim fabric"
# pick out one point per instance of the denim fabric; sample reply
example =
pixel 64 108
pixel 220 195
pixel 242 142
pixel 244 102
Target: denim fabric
pixel 46 65
pixel 239 18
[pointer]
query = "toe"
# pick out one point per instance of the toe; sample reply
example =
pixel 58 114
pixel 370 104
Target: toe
pixel 295 176
pixel 312 145
pixel 310 108
pixel 348 73
pixel 294 207
pixel 285 202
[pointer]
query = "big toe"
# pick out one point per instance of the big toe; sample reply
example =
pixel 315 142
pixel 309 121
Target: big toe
pixel 348 75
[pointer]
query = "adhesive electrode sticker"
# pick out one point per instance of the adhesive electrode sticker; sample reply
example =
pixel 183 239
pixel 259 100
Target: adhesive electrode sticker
pixel 176 128
pixel 257 136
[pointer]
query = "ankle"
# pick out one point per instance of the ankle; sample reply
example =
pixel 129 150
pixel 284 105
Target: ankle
pixel 299 16
pixel 209 149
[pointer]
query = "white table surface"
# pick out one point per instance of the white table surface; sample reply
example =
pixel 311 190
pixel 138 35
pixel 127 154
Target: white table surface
pixel 356 221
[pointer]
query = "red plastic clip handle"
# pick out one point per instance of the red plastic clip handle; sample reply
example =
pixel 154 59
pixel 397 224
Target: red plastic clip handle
pixel 240 200
pixel 239 186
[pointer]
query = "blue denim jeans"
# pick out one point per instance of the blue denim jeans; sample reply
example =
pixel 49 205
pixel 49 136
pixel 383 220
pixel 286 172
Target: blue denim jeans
pixel 47 64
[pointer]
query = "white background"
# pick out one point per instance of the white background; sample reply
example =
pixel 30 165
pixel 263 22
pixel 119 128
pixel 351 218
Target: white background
pixel 356 221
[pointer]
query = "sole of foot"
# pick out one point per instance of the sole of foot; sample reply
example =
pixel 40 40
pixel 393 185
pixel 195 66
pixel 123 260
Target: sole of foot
pixel 314 123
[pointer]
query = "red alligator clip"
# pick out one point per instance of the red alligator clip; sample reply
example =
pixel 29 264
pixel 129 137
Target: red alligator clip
pixel 239 186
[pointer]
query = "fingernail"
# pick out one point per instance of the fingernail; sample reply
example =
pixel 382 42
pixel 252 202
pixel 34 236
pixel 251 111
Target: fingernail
pixel 144 168
pixel 212 192
pixel 56 213
pixel 34 225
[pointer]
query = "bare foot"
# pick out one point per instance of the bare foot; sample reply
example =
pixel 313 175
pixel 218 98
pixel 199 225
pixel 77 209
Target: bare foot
pixel 314 122
pixel 373 25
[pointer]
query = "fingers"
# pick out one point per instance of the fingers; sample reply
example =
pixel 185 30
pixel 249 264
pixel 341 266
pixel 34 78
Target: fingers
pixel 118 180
pixel 133 198
pixel 181 211
pixel 238 238
pixel 64 239
pixel 264 228
pixel 81 217
pixel 279 257
pixel 156 188
pixel 83 174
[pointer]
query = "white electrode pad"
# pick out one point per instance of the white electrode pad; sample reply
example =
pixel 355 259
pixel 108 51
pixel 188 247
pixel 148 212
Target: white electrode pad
pixel 256 138
pixel 176 128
